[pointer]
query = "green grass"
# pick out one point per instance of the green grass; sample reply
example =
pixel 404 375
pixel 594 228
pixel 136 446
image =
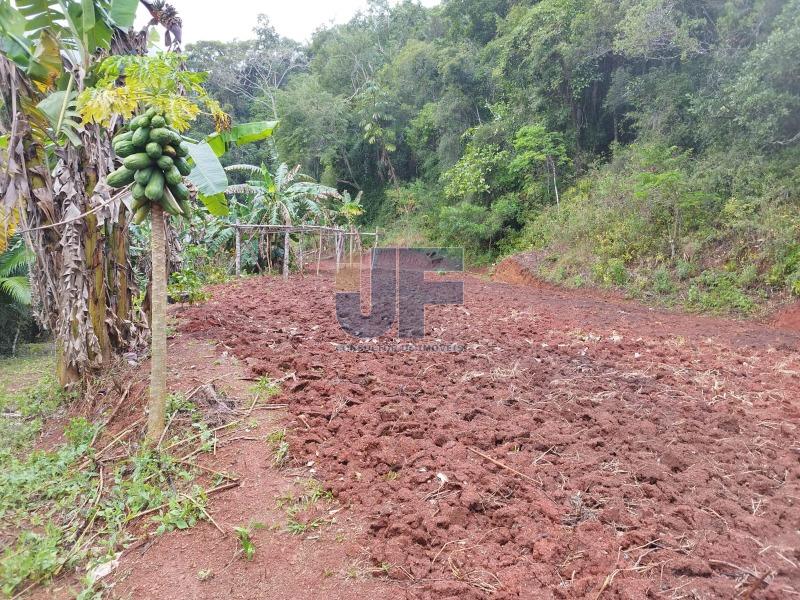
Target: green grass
pixel 266 387
pixel 312 494
pixel 280 447
pixel 61 509
pixel 28 395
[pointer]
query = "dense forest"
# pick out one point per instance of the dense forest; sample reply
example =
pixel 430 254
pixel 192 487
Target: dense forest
pixel 650 144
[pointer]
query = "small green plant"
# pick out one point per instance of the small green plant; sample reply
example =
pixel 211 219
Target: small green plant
pixel 300 527
pixel 186 286
pixel 611 272
pixel 662 282
pixel 313 492
pixel 266 387
pixel 40 490
pixel 280 447
pixel 246 546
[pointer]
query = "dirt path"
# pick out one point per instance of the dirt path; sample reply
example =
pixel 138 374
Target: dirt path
pixel 578 447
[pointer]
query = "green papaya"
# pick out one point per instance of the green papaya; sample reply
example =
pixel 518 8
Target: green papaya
pixel 170 205
pixel 138 191
pixel 180 191
pixel 155 187
pixel 162 135
pixel 186 207
pixel 182 149
pixel 170 151
pixel 158 121
pixel 153 150
pixel 173 176
pixel 183 167
pixel 137 161
pixel 143 175
pixel 141 214
pixel 120 178
pixel 125 136
pixel 137 122
pixel 151 112
pixel 139 202
pixel 125 148
pixel 165 163
pixel 140 137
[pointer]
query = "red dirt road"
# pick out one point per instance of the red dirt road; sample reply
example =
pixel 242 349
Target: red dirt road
pixel 578 447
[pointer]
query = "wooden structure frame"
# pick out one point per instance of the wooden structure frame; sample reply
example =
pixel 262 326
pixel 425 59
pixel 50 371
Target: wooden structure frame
pixel 338 233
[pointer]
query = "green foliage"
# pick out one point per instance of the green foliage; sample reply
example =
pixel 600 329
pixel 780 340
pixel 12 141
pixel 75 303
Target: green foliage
pixel 280 446
pixel 14 283
pixel 57 516
pixel 470 177
pixel 186 285
pixel 266 387
pixel 670 130
pixel 246 545
pixel 158 81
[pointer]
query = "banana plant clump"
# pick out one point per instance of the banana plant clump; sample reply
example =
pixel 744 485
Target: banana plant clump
pixel 154 160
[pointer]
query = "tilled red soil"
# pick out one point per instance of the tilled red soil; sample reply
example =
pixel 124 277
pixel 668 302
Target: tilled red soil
pixel 577 446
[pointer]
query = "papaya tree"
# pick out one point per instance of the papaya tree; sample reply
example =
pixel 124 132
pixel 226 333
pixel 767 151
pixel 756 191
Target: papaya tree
pixel 157 165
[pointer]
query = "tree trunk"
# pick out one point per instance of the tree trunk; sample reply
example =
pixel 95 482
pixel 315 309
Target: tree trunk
pixel 158 345
pixel 16 339
pixel 286 254
pixel 555 181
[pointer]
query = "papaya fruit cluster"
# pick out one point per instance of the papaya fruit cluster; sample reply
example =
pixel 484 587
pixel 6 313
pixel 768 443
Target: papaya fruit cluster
pixel 154 161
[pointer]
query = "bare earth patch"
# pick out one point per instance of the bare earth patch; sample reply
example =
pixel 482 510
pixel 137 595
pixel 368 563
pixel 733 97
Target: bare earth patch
pixel 579 447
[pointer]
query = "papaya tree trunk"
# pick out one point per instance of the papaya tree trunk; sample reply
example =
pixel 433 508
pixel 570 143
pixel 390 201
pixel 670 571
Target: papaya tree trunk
pixel 158 345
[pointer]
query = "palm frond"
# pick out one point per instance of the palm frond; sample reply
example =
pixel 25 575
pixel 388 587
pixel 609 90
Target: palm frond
pixel 17 288
pixel 281 174
pixel 244 189
pixel 15 260
pixel 249 169
pixel 311 190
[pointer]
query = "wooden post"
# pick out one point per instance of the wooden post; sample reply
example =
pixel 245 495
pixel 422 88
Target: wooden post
pixel 336 239
pixel 238 250
pixel 286 254
pixel 301 255
pixel 319 254
pixel 351 247
pixel 269 254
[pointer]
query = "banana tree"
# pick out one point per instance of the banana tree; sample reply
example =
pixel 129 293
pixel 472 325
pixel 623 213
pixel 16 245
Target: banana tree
pixel 51 170
pixel 286 198
pixel 349 210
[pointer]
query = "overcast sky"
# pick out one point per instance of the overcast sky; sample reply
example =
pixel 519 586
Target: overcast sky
pixel 226 20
